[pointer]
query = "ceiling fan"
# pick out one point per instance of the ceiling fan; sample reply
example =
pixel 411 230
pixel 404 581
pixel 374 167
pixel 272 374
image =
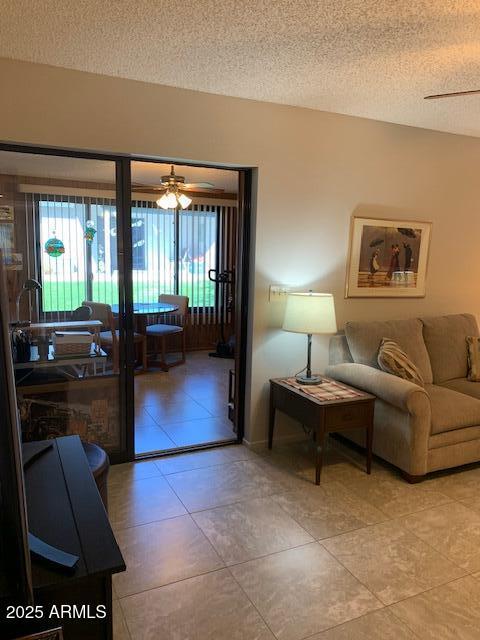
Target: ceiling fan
pixel 174 187
pixel 453 94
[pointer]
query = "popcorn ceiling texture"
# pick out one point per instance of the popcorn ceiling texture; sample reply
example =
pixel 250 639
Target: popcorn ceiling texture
pixel 370 58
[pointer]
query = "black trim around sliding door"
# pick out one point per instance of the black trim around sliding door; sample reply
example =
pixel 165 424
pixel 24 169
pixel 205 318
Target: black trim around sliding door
pixel 126 344
pixel 242 297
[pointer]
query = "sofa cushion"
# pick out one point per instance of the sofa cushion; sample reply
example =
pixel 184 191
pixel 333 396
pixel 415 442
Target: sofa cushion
pixel 451 409
pixel 462 385
pixel 445 337
pixel 364 340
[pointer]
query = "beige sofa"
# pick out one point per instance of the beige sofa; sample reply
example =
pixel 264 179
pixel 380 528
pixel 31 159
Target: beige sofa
pixel 417 429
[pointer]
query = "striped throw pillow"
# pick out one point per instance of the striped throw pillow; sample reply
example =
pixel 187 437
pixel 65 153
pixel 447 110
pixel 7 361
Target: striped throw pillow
pixel 393 359
pixel 473 356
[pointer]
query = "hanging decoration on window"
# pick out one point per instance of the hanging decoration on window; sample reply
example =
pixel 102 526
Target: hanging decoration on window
pixel 54 247
pixel 90 231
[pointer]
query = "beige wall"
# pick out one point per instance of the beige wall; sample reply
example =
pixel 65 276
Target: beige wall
pixel 314 170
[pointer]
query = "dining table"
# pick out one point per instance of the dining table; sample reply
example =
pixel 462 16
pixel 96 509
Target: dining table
pixel 141 311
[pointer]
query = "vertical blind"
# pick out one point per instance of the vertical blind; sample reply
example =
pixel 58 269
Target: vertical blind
pixel 75 253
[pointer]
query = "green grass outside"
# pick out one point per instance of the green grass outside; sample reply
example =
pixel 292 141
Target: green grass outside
pixel 66 296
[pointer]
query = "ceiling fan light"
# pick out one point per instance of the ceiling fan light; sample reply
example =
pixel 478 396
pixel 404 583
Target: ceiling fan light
pixel 163 201
pixel 172 200
pixel 184 201
pixel 168 200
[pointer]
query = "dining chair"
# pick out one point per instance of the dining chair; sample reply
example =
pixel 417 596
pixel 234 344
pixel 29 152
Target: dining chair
pixel 160 332
pixel 109 336
pixel 82 313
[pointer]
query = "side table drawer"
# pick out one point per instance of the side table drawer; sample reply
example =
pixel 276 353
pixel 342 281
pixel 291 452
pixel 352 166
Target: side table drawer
pixel 346 417
pixel 296 406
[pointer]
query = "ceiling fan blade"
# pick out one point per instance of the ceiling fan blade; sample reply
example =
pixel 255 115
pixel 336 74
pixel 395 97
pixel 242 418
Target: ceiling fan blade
pixel 454 94
pixel 198 189
pixel 146 187
pixel 202 185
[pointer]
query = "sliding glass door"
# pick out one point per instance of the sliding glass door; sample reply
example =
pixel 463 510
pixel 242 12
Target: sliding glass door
pixel 184 240
pixel 87 250
pixel 63 251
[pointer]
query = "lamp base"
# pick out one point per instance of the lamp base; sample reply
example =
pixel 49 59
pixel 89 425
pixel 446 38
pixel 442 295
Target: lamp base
pixel 308 379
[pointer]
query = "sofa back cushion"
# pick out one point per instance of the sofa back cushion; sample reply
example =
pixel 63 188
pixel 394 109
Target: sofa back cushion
pixel 445 337
pixel 338 351
pixel 364 340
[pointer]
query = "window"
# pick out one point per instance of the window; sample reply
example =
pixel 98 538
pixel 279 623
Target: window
pixel 78 252
pixel 62 254
pixel 197 255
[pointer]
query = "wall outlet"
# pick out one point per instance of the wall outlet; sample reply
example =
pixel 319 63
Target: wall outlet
pixel 278 292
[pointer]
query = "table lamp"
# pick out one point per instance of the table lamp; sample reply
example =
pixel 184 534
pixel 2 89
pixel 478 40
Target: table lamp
pixel 309 313
pixel 29 285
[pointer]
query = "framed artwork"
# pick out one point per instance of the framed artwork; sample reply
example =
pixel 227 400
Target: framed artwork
pixel 6 213
pixel 387 258
pixel 13 261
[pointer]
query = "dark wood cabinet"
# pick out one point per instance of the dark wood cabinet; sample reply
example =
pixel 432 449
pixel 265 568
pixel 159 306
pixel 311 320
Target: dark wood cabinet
pixel 65 510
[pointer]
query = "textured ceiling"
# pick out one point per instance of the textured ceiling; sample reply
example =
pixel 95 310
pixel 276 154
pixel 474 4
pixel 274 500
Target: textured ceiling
pixel 371 58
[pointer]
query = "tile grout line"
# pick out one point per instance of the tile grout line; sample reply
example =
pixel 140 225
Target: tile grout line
pixel 169 584
pixel 400 619
pixel 364 615
pixel 441 553
pixel 383 606
pixel 251 602
pixel 422 593
pixel 124 619
pixel 405 515
pixel 246 500
pixel 202 573
pixel 208 466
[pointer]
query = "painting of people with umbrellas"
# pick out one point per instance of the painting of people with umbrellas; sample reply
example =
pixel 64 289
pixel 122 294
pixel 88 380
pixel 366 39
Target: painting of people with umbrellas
pixel 387 258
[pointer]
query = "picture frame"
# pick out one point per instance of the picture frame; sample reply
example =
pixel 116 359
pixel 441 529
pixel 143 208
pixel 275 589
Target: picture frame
pixel 7 213
pixel 387 258
pixel 13 261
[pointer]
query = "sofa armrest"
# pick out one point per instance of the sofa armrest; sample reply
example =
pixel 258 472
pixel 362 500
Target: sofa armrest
pixel 396 391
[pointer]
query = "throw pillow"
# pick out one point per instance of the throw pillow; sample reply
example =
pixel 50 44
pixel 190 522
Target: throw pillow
pixel 393 359
pixel 473 357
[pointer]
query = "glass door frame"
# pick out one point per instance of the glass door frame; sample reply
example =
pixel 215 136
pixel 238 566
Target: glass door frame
pixel 243 295
pixel 126 347
pixel 125 281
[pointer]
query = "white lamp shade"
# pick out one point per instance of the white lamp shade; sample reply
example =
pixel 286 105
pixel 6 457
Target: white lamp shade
pixel 310 313
pixel 167 201
pixel 184 200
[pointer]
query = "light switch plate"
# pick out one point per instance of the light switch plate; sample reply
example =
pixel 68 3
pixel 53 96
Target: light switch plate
pixel 278 292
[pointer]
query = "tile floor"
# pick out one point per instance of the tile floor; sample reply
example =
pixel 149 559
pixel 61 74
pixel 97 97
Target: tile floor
pixel 228 544
pixel 182 407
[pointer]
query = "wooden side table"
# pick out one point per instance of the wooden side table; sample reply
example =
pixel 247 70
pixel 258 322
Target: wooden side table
pixel 349 408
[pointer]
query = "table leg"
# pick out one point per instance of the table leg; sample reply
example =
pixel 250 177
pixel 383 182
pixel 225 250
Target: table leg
pixel 369 447
pixel 319 440
pixel 271 421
